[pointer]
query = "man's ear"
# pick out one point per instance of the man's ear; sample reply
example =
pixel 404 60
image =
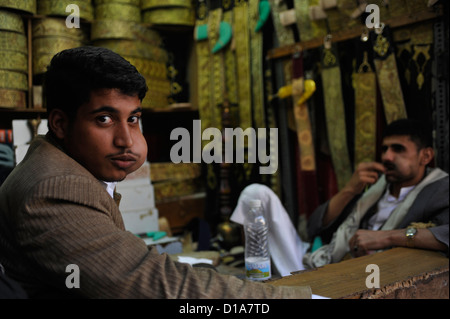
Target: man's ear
pixel 427 155
pixel 58 123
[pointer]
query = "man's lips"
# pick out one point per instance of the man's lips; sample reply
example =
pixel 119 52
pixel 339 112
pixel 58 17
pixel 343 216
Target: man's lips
pixel 123 161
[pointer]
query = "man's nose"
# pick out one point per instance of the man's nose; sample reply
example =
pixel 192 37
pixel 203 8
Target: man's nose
pixel 123 137
pixel 388 155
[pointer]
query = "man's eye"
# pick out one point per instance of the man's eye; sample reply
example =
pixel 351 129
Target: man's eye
pixel 134 119
pixel 104 119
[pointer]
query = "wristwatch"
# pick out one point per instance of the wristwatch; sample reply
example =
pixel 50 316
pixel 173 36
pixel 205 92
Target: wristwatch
pixel 410 233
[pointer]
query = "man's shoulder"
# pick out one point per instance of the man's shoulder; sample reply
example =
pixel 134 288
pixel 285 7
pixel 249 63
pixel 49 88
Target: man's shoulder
pixel 44 161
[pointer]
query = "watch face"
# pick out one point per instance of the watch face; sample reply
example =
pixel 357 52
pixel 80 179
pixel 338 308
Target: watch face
pixel 410 232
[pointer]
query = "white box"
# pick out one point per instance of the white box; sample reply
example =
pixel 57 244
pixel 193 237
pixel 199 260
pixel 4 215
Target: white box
pixel 141 221
pixel 136 197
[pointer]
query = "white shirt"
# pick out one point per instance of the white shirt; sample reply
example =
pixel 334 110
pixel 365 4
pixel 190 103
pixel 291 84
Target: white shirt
pixel 386 205
pixel 109 186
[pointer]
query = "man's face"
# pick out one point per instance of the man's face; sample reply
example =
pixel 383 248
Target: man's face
pixel 403 161
pixel 105 136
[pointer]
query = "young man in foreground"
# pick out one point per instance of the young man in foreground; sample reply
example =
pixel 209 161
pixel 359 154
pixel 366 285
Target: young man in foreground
pixel 58 207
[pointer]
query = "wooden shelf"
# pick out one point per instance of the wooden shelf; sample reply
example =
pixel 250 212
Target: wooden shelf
pixel 355 32
pixel 23 110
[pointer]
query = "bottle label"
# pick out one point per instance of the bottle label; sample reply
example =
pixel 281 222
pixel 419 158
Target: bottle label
pixel 257 269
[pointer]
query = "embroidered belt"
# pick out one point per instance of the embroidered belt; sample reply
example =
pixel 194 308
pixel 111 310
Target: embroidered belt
pixel 12 98
pixel 28 6
pixel 157 96
pixel 318 19
pixel 13 61
pixel 135 48
pixel 273 141
pixel 44 48
pixel 53 45
pixel 12 41
pixel 388 80
pixel 242 42
pixel 57 27
pixel 150 4
pixel 256 61
pixel 130 2
pixel 414 49
pixel 301 91
pixel 339 15
pixel 10 21
pixel 303 21
pixel 231 82
pixel 13 80
pixel 152 68
pixel 365 85
pixel 118 11
pixel 285 35
pixel 169 15
pixel 58 8
pixel 335 116
pixel 203 70
pixel 216 80
pixel 114 29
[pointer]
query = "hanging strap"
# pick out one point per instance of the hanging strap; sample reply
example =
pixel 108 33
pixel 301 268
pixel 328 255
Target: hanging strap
pixel 387 75
pixel 365 86
pixel 335 115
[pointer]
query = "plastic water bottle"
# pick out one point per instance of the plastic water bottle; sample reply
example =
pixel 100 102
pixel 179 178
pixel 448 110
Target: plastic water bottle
pixel 257 257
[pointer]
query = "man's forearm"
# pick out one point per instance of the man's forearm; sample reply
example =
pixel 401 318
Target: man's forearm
pixel 336 205
pixel 424 239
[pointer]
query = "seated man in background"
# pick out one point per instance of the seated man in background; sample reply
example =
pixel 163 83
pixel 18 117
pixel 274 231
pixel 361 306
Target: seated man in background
pixel 406 205
pixel 58 207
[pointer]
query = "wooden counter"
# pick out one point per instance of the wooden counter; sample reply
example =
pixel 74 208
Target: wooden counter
pixel 404 273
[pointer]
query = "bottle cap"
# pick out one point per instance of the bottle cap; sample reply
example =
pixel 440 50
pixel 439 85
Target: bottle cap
pixel 255 203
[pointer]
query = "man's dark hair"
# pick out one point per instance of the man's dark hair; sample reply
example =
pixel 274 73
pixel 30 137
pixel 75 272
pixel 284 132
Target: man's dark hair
pixel 420 132
pixel 74 73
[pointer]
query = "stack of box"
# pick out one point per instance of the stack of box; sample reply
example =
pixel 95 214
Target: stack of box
pixel 50 36
pixel 168 12
pixel 174 180
pixel 63 8
pixel 13 60
pixel 117 27
pixel 137 205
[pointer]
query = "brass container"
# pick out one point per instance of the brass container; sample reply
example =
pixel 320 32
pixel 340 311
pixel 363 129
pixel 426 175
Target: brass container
pixel 118 11
pixel 12 41
pixel 13 61
pixel 58 8
pixel 134 48
pixel 169 16
pixel 153 4
pixel 28 6
pixel 126 30
pixel 12 98
pixel 10 21
pixel 13 80
pixel 57 27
